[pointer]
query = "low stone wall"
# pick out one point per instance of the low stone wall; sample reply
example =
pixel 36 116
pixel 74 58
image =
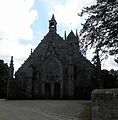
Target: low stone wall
pixel 105 104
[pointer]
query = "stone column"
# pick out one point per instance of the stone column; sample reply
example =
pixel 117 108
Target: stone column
pixel 43 90
pixel 61 90
pixel 52 90
pixel 71 81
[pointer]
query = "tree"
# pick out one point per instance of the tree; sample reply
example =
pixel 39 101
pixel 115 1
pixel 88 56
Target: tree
pixel 109 80
pixel 3 78
pixel 100 30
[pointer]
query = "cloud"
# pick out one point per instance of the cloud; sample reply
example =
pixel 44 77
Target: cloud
pixel 66 15
pixel 66 12
pixel 109 64
pixel 18 16
pixel 16 20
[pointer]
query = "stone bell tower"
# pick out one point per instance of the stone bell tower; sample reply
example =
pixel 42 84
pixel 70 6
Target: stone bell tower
pixel 52 24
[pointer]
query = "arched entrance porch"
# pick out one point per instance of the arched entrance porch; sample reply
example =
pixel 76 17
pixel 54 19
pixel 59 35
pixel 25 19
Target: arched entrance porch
pixel 52 91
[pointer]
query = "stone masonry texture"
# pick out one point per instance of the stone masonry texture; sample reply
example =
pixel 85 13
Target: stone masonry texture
pixel 105 104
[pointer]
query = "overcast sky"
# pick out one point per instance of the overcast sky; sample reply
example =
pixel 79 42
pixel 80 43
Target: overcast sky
pixel 23 23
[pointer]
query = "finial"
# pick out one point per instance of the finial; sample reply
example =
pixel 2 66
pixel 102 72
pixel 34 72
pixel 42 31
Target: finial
pixel 11 59
pixel 77 37
pixel 31 50
pixel 65 35
pixel 11 63
pixel 53 18
pixel 76 33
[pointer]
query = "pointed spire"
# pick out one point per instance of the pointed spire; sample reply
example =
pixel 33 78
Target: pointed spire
pixel 31 50
pixel 11 62
pixel 65 35
pixel 11 58
pixel 53 18
pixel 77 36
pixel 10 83
pixel 52 24
pixel 11 70
pixel 76 33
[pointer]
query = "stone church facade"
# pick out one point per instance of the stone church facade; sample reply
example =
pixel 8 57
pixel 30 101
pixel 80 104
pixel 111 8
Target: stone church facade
pixel 56 69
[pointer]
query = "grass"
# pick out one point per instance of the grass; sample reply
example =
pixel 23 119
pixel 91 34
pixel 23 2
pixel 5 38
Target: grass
pixel 86 114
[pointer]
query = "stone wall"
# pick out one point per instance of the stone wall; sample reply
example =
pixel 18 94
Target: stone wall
pixel 105 104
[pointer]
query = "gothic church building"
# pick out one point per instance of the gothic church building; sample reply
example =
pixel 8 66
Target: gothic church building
pixel 56 69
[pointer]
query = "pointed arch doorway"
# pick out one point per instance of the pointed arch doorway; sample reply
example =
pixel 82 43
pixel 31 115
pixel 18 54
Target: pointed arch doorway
pixel 47 91
pixel 57 91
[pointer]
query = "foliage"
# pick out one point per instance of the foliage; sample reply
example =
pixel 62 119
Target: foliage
pixel 3 78
pixel 100 30
pixel 109 80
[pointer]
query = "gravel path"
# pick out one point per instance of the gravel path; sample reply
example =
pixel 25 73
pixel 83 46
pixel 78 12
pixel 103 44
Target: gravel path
pixel 41 109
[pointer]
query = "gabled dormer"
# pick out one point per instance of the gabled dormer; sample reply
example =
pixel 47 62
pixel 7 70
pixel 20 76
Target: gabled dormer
pixel 73 41
pixel 72 38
